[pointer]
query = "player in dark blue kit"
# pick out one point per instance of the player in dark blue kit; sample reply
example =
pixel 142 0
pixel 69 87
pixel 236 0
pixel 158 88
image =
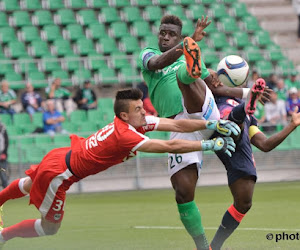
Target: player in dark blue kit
pixel 241 172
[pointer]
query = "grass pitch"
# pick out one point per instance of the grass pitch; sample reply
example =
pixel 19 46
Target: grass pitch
pixel 137 220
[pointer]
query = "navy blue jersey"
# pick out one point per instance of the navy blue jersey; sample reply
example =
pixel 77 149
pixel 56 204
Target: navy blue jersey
pixel 242 162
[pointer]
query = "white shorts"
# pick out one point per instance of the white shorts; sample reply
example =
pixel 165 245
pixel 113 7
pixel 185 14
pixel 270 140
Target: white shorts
pixel 210 111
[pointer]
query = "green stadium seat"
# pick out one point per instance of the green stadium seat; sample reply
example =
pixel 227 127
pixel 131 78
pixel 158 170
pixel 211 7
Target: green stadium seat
pixel 241 39
pixel 203 45
pixel 210 56
pixel 25 64
pixel 97 4
pixel 64 17
pixel 218 11
pixel 120 3
pixel 250 24
pixel 39 48
pixel 228 24
pixel 118 60
pixel 87 127
pixel 74 32
pixel 42 139
pixel 71 63
pixel 13 131
pixel 31 4
pixel 42 18
pixel 141 28
pixel 78 116
pixel 51 32
pixel 187 27
pixel 131 14
pixel 129 44
pixel 3 19
pixel 54 4
pixel 34 154
pixel 87 17
pixel 253 54
pixel 81 75
pixel 208 2
pixel 129 75
pixel 62 139
pixel 118 30
pixel 239 10
pixel 50 63
pixel 21 118
pixel 37 79
pixel 15 80
pixel 195 11
pixel 218 40
pixel 76 4
pixel 285 67
pixel 142 3
pixel 152 13
pixel 109 15
pixel 16 49
pixel 96 62
pixel 21 18
pixel 107 45
pixel 229 1
pixel 176 10
pixel 107 76
pixel 96 31
pixel 150 41
pixel 6 119
pixel 7 34
pixel 164 2
pixel 6 66
pixel 211 28
pixel 264 68
pixel 63 75
pixel 274 52
pixel 85 46
pixel 16 155
pixel 10 5
pixel 37 119
pixel 62 47
pixel 262 38
pixel 70 127
pixel 29 33
pixel 185 2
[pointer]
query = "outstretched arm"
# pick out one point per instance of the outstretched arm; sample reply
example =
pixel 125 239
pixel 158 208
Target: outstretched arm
pixel 267 144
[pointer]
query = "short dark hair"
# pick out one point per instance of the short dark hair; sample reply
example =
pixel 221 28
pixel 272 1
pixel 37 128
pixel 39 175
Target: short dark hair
pixel 123 97
pixel 171 19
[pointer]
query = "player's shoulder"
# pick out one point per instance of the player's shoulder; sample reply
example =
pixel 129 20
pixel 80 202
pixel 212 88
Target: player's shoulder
pixel 148 50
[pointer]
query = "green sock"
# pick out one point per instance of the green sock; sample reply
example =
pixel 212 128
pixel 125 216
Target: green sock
pixel 184 76
pixel 191 219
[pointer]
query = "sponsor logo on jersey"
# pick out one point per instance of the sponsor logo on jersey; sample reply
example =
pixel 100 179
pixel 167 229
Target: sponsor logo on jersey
pixel 57 216
pixel 232 102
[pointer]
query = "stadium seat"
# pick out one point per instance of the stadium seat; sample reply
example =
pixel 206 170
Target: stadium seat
pixel 62 47
pixel 70 127
pixel 210 56
pixel 29 33
pixel 33 154
pixel 15 80
pixel 73 32
pixel 39 48
pixel 118 30
pixel 239 10
pixel 51 32
pixel 87 127
pixel 109 15
pixel 264 68
pixel 250 24
pixel 252 54
pixel 143 3
pixel 131 14
pixel 7 34
pixel 37 79
pixel 129 44
pixel 150 41
pixel 185 2
pixel 87 17
pixel 140 28
pixel 61 139
pixel 96 62
pixel 262 38
pixel 26 64
pixel 64 17
pixel 229 1
pixel 78 116
pixel 6 119
pixel 120 3
pixel 218 11
pixel 107 45
pixel 129 75
pixel 118 60
pixel 53 4
pixel 97 4
pixel 107 76
pixel 21 118
pixel 71 63
pixel 211 28
pixel 152 13
pixel 31 4
pixel 195 11
pixel 49 63
pixel 75 4
pixel 96 31
pixel 274 52
pixel 164 2
pixel 85 46
pixel 20 18
pixel 285 67
pixel 218 40
pixel 203 45
pixel 6 66
pixel 3 19
pixel 16 49
pixel 63 75
pixel 10 5
pixel 81 75
pixel 208 2
pixel 42 139
pixel 16 155
pixel 176 10
pixel 42 18
pixel 228 24
pixel 187 27
pixel 241 39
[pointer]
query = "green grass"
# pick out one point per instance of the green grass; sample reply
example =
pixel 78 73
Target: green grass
pixel 106 221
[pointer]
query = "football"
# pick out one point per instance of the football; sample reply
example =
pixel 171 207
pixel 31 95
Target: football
pixel 233 71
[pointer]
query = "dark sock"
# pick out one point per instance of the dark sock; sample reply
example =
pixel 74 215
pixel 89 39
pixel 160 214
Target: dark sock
pixel 230 222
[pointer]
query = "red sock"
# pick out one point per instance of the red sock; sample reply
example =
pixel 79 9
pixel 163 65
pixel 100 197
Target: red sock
pixel 12 191
pixel 24 229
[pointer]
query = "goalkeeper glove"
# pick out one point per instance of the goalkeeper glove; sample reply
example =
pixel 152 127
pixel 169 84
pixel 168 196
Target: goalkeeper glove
pixel 225 145
pixel 224 127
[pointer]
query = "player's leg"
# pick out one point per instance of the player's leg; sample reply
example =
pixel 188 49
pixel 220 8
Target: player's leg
pixel 242 192
pixel 184 183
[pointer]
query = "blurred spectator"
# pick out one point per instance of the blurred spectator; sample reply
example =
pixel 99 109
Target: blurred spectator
pixel 7 99
pixel 61 96
pixel 146 99
pixel 31 100
pixel 272 82
pixel 292 101
pixel 292 81
pixel 275 112
pixel 85 97
pixel 296 5
pixel 281 90
pixel 254 77
pixel 3 155
pixel 53 119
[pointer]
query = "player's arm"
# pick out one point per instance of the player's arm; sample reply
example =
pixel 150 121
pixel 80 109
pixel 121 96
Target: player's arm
pixel 265 144
pixel 225 144
pixel 186 125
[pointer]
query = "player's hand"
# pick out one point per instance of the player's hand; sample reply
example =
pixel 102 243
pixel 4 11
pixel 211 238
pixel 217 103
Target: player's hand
pixel 199 32
pixel 265 97
pixel 225 145
pixel 214 78
pixel 296 117
pixel 224 127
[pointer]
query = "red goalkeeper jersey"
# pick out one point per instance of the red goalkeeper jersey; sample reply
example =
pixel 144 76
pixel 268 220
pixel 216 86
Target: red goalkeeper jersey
pixel 111 145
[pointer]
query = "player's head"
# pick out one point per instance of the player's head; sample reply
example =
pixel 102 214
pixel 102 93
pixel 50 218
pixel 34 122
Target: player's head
pixel 129 107
pixel 169 34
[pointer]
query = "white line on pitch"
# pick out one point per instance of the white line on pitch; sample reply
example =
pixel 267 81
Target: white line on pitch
pixel 214 228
